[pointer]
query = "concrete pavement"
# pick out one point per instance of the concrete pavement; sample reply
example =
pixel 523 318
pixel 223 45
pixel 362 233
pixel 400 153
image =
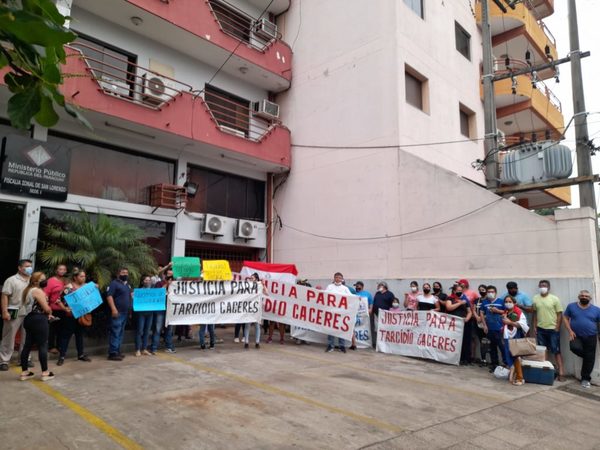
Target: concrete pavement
pixel 288 397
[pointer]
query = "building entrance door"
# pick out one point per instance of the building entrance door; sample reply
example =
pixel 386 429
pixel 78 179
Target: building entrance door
pixel 11 228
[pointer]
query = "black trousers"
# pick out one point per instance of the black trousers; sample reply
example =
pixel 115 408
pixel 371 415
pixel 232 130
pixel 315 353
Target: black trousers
pixel 67 327
pixel 36 326
pixel 585 347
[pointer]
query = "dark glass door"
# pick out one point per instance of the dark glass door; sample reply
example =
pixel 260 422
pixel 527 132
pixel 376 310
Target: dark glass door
pixel 11 226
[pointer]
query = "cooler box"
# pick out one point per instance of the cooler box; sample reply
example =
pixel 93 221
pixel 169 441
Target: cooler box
pixel 539 372
pixel 540 354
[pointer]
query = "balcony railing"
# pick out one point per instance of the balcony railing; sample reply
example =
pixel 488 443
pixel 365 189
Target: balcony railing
pixel 515 64
pixel 243 27
pixel 134 83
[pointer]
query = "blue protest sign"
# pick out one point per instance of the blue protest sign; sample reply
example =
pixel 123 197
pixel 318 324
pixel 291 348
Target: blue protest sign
pixel 84 300
pixel 149 299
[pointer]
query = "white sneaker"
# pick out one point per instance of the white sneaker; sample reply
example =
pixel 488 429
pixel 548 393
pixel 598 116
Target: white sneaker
pixel 138 353
pixel 170 350
pixel 236 340
pixel 586 384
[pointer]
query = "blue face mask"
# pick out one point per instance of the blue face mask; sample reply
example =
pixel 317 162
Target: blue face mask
pixel 29 270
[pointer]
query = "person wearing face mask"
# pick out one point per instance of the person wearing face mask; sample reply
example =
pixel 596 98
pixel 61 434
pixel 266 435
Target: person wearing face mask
pixel 581 321
pixel 143 323
pixel 118 297
pixel 395 305
pixel 13 311
pixel 441 297
pixel 514 327
pixel 523 300
pixel 457 305
pixel 426 300
pixel 477 325
pixel 411 301
pixel 382 300
pixel 491 312
pixel 547 319
pixel 337 287
pixel 158 320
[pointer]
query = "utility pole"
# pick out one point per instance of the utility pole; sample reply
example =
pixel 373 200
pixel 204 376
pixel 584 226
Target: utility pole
pixel 489 104
pixel 587 195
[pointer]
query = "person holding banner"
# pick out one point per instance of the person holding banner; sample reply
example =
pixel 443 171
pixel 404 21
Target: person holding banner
pixel 118 296
pixel 339 288
pixel 143 324
pixel 36 325
pixel 411 298
pixel 458 305
pixel 426 300
pixel 254 277
pixel 383 300
pixel 69 325
pixel 158 319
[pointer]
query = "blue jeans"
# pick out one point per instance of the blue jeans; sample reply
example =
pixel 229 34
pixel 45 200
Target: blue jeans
pixel 117 328
pixel 331 342
pixel 211 333
pixel 144 321
pixel 247 332
pixel 159 323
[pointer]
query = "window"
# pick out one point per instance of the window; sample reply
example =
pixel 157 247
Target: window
pixel 416 6
pixel 463 41
pixel 467 121
pixel 226 194
pixel 235 255
pixel 232 21
pixel 109 63
pixel 228 110
pixel 416 87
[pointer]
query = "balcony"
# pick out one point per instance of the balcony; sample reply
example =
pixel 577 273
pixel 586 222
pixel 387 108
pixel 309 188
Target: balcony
pixel 541 8
pixel 208 31
pixel 518 31
pixel 146 102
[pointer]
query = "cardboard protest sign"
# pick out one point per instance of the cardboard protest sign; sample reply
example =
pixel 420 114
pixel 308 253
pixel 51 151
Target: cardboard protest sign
pixel 186 267
pixel 211 302
pixel 424 334
pixel 216 270
pixel 362 329
pixel 324 312
pixel 84 300
pixel 153 299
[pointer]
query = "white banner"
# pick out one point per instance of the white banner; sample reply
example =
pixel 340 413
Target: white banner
pixel 362 329
pixel 324 312
pixel 210 302
pixel 424 334
pixel 284 277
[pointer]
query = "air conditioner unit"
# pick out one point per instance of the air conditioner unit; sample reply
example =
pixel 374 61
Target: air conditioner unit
pixel 265 29
pixel 113 86
pixel 155 89
pixel 266 110
pixel 245 229
pixel 214 225
pixel 234 131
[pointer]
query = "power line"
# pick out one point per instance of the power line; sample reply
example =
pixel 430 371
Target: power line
pixel 393 236
pixel 367 147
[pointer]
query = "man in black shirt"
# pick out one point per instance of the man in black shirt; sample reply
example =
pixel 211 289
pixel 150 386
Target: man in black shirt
pixel 383 300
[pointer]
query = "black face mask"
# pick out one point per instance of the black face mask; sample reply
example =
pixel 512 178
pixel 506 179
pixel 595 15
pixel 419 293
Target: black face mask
pixel 583 301
pixel 459 294
pixel 482 293
pixel 169 278
pixel 43 284
pixel 436 290
pixel 426 291
pixel 123 277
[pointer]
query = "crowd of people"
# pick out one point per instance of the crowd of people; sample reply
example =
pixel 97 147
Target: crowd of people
pixel 37 305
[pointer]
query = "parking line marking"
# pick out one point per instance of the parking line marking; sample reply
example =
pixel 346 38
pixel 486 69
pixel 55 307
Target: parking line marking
pixel 86 415
pixel 397 376
pixel 291 395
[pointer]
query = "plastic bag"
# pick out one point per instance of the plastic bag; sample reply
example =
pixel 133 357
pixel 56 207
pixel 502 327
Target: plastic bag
pixel 501 373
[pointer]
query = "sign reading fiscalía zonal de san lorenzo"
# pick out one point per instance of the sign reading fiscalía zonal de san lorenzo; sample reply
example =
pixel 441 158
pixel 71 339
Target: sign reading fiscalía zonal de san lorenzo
pixel 35 169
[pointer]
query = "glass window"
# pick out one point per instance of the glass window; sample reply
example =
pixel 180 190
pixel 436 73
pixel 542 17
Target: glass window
pixel 232 21
pixel 464 123
pixel 229 110
pixel 416 6
pixel 463 41
pixel 467 121
pixel 226 194
pixel 414 90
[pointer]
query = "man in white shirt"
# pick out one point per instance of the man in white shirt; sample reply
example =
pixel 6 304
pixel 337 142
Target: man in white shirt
pixel 13 310
pixel 337 287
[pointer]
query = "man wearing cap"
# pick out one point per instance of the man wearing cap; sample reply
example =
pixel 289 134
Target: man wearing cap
pixel 337 287
pixel 523 301
pixel 359 289
pixel 383 300
pixel 471 295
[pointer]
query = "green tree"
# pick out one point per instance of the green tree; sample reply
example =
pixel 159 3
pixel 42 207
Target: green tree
pixel 99 245
pixel 32 39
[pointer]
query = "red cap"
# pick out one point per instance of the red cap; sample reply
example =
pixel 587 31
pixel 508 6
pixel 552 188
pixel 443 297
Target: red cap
pixel 464 282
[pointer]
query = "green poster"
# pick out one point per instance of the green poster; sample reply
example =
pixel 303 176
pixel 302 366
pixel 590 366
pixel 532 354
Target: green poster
pixel 186 267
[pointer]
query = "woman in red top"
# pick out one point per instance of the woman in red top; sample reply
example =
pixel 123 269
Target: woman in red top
pixel 53 291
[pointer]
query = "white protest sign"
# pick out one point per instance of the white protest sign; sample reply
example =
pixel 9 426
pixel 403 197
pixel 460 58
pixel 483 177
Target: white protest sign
pixel 424 334
pixel 211 302
pixel 325 312
pixel 362 329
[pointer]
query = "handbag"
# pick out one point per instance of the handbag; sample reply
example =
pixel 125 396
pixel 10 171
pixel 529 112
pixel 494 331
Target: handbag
pixel 522 347
pixel 85 320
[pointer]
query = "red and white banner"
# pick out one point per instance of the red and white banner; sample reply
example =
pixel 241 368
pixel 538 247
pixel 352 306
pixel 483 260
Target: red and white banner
pixel 324 312
pixel 424 334
pixel 286 273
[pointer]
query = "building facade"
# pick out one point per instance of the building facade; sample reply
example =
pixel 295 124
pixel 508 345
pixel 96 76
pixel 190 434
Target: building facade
pixel 179 95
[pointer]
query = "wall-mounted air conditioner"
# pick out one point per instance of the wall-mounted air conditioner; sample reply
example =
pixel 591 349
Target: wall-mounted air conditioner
pixel 113 86
pixel 231 130
pixel 214 225
pixel 246 229
pixel 155 89
pixel 265 29
pixel 266 110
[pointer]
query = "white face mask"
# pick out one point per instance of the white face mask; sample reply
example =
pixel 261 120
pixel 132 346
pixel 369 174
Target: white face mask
pixel 509 306
pixel 543 290
pixel 491 295
pixel 380 289
pixel 395 305
pixel 414 288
